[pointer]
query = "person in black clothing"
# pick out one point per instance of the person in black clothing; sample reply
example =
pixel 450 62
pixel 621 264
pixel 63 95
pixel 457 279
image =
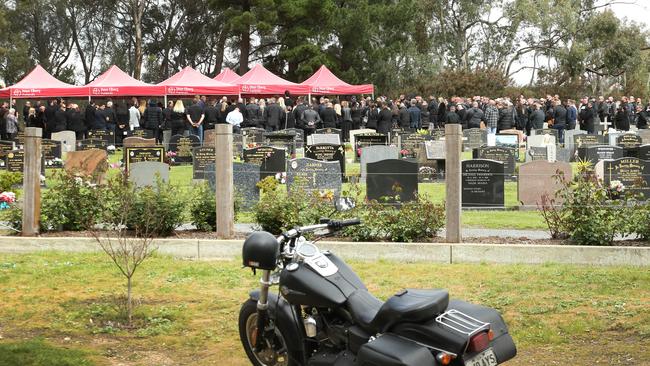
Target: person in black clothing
pixel 587 119
pixel 167 116
pixel 404 116
pixel 153 119
pixel 76 122
pixel 26 108
pixel 433 112
pixel 642 117
pixel 290 118
pixel 300 107
pixel 559 119
pixel 178 120
pixel 288 102
pixel 384 123
pixel 328 116
pixel 89 116
pixel 273 116
pixel 110 116
pixel 622 120
pixel 373 116
pixel 50 112
pixel 355 111
pixel 60 119
pixel 451 116
pixel 122 122
pixel 442 113
pixel 211 115
pixel 195 118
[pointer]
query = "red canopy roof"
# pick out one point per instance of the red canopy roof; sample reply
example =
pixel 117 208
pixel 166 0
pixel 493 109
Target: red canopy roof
pixel 260 81
pixel 39 84
pixel 325 82
pixel 189 81
pixel 116 83
pixel 227 76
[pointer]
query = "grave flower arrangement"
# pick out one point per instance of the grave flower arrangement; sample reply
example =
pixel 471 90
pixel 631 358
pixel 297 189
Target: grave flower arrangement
pixel 110 149
pixel 54 163
pixel 170 157
pixel 6 199
pixel 281 177
pixel 616 189
pixel 405 152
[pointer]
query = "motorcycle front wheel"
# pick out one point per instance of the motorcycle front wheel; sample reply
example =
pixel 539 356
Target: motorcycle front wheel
pixel 275 352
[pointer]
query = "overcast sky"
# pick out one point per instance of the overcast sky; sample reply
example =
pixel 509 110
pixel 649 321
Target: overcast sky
pixel 635 10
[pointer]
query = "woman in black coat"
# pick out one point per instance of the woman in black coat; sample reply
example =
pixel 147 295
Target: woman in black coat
pixel 355 111
pixel 385 121
pixel 122 122
pixel 622 120
pixel 642 117
pixel 373 117
pixel 76 122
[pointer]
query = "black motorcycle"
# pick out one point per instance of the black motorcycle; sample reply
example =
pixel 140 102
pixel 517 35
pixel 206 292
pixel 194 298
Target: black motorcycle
pixel 324 315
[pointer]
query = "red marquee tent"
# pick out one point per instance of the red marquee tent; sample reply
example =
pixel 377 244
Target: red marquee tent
pixel 40 84
pixel 325 82
pixel 227 76
pixel 116 83
pixel 260 81
pixel 190 82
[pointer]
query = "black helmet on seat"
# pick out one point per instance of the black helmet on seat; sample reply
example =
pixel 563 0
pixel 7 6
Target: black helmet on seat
pixel 261 250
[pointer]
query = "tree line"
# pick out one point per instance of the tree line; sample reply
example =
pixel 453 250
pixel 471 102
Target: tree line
pixel 465 47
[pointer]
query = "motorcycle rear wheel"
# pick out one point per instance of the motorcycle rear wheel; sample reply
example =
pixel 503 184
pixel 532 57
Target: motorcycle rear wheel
pixel 276 352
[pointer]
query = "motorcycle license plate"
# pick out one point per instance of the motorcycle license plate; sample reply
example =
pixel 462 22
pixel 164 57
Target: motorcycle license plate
pixel 485 358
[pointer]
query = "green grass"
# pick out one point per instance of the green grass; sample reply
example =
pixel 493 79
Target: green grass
pixel 188 310
pixel 36 352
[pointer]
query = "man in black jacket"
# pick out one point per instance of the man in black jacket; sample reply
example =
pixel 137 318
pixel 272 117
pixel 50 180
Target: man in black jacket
pixel 559 119
pixel 328 115
pixel 404 116
pixel 60 119
pixel 211 115
pixel 452 116
pixel 273 114
pixel 252 116
pixel 153 118
pixel 89 116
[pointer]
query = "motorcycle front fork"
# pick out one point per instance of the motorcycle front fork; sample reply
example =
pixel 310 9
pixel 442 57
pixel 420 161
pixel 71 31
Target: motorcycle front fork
pixel 262 309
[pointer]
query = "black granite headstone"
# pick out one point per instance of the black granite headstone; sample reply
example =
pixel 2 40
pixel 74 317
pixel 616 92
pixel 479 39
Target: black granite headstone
pixel 412 144
pixel 139 154
pixel 644 152
pixel 595 153
pixel 482 183
pixel 474 138
pixel 140 132
pixel 505 155
pixel 52 153
pixel 272 161
pixel 327 152
pixel 630 144
pixel 368 139
pixel 388 179
pixel 91 144
pixel 314 176
pixel 282 140
pixel 108 136
pixel 201 158
pixel 633 173
pixel 182 146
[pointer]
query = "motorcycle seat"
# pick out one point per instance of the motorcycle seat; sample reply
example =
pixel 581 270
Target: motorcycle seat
pixel 410 306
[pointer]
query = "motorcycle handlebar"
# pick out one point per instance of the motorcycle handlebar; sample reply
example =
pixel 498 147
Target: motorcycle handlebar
pixel 331 224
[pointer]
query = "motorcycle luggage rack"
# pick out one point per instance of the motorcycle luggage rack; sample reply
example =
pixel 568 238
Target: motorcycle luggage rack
pixel 461 322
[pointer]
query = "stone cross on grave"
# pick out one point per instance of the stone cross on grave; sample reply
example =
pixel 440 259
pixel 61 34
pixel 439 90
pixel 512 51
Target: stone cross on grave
pixel 610 168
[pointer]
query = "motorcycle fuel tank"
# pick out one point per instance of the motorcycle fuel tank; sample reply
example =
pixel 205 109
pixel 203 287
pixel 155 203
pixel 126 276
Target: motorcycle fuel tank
pixel 305 286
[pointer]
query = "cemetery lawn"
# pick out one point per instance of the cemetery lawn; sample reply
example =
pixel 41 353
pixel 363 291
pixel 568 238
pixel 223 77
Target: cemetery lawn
pixel 62 309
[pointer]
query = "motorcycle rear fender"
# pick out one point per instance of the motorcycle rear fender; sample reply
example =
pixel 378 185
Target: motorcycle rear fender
pixel 283 313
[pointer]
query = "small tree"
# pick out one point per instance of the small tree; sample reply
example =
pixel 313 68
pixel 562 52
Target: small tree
pixel 128 249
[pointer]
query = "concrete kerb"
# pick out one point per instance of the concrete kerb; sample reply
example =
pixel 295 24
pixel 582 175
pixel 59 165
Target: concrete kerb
pixel 402 252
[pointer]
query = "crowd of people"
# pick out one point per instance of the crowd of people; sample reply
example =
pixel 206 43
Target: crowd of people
pixel 275 113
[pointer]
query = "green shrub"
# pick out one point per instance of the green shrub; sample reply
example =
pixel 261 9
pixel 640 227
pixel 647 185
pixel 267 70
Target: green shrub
pixel 155 210
pixel 8 180
pixel 203 207
pixel 71 203
pixel 411 221
pixel 278 211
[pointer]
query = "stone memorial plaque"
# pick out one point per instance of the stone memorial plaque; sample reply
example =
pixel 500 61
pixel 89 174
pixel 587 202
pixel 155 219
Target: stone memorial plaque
pixel 142 133
pixel 372 154
pixel 328 130
pixel 644 152
pixel 147 173
pixel 547 131
pixel 540 140
pixel 136 141
pixel 327 152
pixel 596 153
pixel 108 136
pixel 505 155
pixel 630 144
pixel 245 178
pixel 140 154
pixel 253 135
pixel 15 161
pixel 201 158
pixel 580 143
pixel 474 138
pixel 612 137
pixel 91 144
pixel 237 145
pixel 314 176
pixel 299 136
pixel 68 140
pixel 52 153
pixel 272 161
pixel 282 140
pixel 437 133
pixel 182 146
pixel 210 137
pixel 508 141
pixel 633 173
pixel 482 184
pixel 537 178
pixel 391 178
pixel 5 147
pixel 19 140
pixel 569 141
pixel 537 153
pixel 411 145
pixel 323 138
pixel 369 139
pixel 435 150
pixel 354 133
pixel 90 163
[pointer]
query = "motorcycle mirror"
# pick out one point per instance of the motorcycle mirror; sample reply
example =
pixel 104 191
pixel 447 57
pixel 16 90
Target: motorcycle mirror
pixel 344 203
